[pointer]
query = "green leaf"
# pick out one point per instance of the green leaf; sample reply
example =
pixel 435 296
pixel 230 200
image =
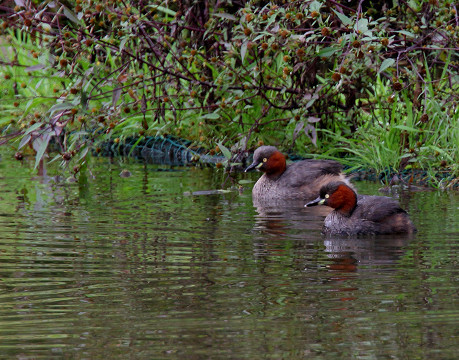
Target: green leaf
pixel 71 16
pixel 407 33
pixel 225 16
pixel 314 6
pixel 226 153
pixel 83 153
pixel 407 128
pixel 43 146
pixel 84 98
pixel 34 103
pixel 135 145
pixel 344 19
pixel 312 101
pixel 122 43
pixel 24 141
pixel 164 10
pixel 5 121
pixel 326 52
pixel 243 50
pixel 35 67
pixel 386 64
pixel 362 25
pixel 32 128
pixel 313 119
pixel 57 157
pixel 212 116
pixel 61 106
pixel 116 96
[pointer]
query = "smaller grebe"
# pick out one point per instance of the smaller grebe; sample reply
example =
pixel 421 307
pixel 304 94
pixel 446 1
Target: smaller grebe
pixel 362 214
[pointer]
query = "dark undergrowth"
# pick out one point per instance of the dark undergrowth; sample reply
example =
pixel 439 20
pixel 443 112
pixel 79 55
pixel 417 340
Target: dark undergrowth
pixel 369 83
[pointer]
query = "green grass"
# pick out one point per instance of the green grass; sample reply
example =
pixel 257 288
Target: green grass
pixel 398 138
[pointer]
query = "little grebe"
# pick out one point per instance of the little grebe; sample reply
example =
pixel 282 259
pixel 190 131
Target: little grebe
pixel 301 180
pixel 361 214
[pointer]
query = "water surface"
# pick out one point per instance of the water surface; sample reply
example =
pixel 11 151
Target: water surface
pixel 137 268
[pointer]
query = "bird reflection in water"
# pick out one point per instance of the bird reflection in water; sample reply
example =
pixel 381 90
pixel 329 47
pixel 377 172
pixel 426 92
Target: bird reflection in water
pixel 344 254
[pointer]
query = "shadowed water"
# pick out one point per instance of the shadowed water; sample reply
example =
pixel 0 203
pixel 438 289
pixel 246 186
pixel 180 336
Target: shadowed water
pixel 138 268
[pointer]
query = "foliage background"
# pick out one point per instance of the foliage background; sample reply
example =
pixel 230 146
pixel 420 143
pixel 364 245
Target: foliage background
pixel 373 83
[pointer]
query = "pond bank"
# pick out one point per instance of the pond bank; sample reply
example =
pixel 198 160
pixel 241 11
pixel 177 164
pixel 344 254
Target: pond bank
pixel 175 151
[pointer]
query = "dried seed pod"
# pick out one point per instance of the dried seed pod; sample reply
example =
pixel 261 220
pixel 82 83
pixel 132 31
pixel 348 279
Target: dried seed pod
pixel 325 31
pixel 397 86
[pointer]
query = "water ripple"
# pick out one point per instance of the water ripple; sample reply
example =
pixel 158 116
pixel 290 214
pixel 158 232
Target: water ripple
pixel 133 268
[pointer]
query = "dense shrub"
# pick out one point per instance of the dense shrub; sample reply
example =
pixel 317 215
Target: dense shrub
pixel 309 76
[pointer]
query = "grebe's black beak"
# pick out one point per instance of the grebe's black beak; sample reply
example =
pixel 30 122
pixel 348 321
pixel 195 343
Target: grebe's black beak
pixel 254 165
pixel 318 201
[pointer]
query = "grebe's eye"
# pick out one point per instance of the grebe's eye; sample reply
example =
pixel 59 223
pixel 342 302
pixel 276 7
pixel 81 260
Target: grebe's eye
pixel 264 160
pixel 327 196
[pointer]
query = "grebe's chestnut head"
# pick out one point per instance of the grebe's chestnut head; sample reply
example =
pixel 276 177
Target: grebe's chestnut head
pixel 268 160
pixel 338 196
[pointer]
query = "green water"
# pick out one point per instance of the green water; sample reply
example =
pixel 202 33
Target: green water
pixel 135 268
